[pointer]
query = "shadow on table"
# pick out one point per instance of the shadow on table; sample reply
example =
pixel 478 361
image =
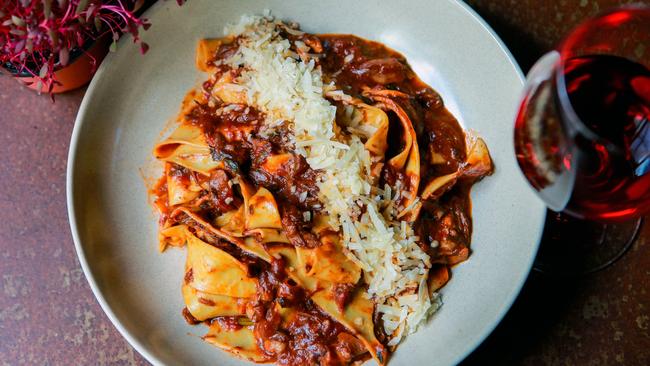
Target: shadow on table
pixel 542 303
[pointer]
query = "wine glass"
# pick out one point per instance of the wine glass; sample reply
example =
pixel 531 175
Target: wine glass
pixel 582 139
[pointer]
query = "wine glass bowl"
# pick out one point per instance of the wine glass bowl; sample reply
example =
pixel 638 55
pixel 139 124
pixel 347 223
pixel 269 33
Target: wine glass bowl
pixel 582 134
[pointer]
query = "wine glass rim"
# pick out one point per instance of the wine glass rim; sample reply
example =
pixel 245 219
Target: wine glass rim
pixel 640 9
pixel 563 52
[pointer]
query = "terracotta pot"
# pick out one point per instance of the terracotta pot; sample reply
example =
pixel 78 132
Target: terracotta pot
pixel 81 69
pixel 77 73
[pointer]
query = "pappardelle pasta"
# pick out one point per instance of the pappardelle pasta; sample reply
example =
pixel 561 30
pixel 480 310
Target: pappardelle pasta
pixel 321 191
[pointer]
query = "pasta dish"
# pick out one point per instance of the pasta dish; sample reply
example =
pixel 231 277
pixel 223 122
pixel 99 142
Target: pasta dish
pixel 321 190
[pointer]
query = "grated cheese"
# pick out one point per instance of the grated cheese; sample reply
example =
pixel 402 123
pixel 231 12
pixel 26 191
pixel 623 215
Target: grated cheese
pixel 287 88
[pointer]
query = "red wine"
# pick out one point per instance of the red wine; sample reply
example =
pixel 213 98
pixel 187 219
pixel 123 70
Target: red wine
pixel 590 155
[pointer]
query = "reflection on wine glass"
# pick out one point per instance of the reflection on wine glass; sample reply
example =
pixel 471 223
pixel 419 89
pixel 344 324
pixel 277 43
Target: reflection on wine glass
pixel 582 139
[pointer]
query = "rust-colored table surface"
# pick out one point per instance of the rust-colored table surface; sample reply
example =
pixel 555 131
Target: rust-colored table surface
pixel 48 315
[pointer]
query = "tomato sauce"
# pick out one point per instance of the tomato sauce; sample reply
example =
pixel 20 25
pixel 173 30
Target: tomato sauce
pixel 308 335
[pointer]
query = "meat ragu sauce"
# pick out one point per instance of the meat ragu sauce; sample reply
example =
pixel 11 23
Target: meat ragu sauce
pixel 308 337
pixel 444 225
pixel 355 64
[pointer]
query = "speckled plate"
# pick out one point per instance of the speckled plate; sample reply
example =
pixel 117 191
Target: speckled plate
pixel 132 98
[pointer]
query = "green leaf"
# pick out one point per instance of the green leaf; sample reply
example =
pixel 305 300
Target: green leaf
pixel 113 47
pixel 43 72
pixel 19 22
pixel 81 6
pixel 98 24
pixel 47 8
pixel 17 32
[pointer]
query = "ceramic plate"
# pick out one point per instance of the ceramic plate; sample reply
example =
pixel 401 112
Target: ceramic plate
pixel 133 97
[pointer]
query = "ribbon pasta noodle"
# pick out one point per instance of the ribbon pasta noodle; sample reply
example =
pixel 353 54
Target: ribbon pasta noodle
pixel 321 192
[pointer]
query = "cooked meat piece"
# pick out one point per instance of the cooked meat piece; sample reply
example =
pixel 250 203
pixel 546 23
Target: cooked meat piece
pixel 296 230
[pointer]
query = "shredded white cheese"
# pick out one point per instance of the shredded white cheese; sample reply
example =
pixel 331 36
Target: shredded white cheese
pixel 289 89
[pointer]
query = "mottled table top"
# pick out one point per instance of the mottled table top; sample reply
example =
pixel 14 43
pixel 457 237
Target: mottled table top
pixel 48 315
